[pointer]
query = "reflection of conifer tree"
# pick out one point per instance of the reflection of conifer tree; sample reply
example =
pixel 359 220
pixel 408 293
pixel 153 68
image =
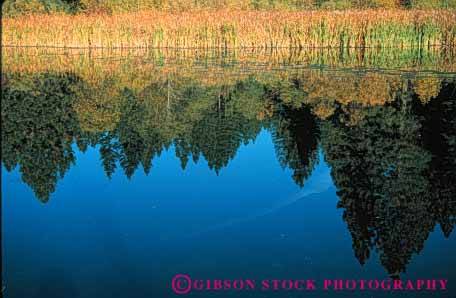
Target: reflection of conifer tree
pixel 108 154
pixel 219 134
pixel 216 137
pixel 382 173
pixel 38 129
pixel 131 143
pixel 82 141
pixel 183 151
pixel 439 135
pixel 155 143
pixel 296 137
pixel 227 121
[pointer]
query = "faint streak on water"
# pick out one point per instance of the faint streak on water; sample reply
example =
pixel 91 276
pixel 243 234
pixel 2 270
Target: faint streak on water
pixel 319 182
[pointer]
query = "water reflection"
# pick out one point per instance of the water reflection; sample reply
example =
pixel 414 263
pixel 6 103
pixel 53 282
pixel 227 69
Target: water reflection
pixel 390 140
pixel 395 173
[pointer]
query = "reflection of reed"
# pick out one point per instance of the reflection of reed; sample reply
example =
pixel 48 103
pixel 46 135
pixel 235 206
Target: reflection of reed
pixel 433 58
pixel 237 29
pixel 134 68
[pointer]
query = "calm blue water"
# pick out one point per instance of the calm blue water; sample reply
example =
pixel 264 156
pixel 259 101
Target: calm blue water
pixel 110 238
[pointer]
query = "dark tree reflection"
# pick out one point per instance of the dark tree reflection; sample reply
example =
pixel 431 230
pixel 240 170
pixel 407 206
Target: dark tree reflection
pixel 296 137
pixel 439 138
pixel 38 129
pixel 392 152
pixel 394 171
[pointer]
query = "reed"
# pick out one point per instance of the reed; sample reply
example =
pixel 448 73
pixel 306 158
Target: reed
pixel 223 29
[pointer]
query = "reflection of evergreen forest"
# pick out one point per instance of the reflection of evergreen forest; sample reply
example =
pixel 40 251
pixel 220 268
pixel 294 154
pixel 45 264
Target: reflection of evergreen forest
pixel 395 172
pixel 389 139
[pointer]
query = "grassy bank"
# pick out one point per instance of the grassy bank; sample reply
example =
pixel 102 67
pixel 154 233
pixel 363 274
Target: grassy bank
pixel 237 29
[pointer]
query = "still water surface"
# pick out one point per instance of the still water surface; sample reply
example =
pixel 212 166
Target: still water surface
pixel 116 179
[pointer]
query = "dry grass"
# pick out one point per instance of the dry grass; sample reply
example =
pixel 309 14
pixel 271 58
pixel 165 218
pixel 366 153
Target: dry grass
pixel 237 29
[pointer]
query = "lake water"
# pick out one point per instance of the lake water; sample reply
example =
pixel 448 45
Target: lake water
pixel 121 170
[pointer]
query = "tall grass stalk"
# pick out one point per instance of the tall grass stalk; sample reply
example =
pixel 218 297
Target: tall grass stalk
pixel 237 29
